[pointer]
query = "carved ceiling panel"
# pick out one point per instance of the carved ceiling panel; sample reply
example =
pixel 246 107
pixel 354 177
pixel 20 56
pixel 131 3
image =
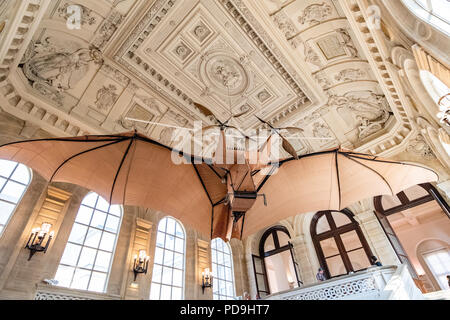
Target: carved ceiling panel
pixel 290 62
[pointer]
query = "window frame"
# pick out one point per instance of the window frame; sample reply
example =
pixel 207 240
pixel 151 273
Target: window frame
pixel 430 266
pixel 162 265
pixel 7 179
pixel 335 233
pixel 231 267
pixel 428 15
pixel 97 249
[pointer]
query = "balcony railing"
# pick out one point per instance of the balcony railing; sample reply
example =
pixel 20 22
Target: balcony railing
pixel 49 292
pixel 375 283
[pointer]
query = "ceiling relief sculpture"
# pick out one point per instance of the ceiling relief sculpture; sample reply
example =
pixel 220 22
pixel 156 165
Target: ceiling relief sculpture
pixel 288 62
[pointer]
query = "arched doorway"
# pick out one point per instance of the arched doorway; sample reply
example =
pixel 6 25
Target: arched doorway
pixel 339 243
pixel 410 217
pixel 275 267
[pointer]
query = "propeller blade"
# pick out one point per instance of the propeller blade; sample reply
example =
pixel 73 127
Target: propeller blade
pixel 240 114
pixel 204 110
pixel 209 127
pixel 243 134
pixel 265 122
pixel 292 130
pixel 289 148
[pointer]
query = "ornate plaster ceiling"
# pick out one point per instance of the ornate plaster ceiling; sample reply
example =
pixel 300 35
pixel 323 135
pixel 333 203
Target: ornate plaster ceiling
pixel 290 62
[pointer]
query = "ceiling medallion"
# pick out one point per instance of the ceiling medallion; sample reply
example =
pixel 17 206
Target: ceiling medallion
pixel 224 74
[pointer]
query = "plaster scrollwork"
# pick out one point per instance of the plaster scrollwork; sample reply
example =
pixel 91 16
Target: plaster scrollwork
pixel 347 42
pixel 106 97
pixel 115 74
pixel 224 74
pixel 320 130
pixel 315 13
pixel 371 111
pixel 311 56
pixel 283 23
pixel 350 74
pixel 52 71
pixel 107 29
pixel 419 147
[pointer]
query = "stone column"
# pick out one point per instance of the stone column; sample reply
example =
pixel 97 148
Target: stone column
pixel 21 275
pixel 376 238
pixel 239 267
pixel 203 261
pixel 306 273
pixel 140 235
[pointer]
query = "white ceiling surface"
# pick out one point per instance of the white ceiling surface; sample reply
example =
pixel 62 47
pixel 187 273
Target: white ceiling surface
pixel 294 63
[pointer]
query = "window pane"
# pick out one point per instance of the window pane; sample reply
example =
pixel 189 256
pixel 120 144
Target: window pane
pixel 81 279
pixel 112 223
pixel 176 294
pixel 159 255
pixel 177 278
pixel 359 259
pixel 269 244
pixel 168 258
pixel 21 174
pixel 87 258
pixel 165 292
pixel 12 191
pixel 7 167
pixel 340 219
pixel 90 199
pixel 351 240
pixel 64 275
pixel 178 261
pixel 329 247
pixel 70 255
pixel 168 265
pixel 5 212
pixel 102 261
pixel 322 225
pixel 179 231
pixel 84 215
pixel 167 275
pixel 102 204
pixel 107 242
pixel 157 273
pixel 98 220
pixel 154 292
pixel 160 239
pixel 170 242
pixel 179 245
pixel 97 282
pixel 222 270
pixel 93 237
pixel 90 248
pixel 78 233
pixel 336 266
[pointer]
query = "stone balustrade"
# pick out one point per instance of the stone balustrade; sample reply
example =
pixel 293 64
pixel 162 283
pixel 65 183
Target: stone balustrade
pixel 375 283
pixel 49 292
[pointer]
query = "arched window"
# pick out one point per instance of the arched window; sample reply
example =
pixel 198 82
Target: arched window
pixel 222 269
pixel 14 180
pixel 87 258
pixel 339 242
pixel 168 267
pixel 275 269
pixel 434 12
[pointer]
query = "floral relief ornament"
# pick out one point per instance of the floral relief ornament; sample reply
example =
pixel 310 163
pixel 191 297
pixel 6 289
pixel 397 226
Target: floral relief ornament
pixel 315 13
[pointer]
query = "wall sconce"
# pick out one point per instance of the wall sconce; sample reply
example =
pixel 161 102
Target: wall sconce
pixel 37 237
pixel 140 263
pixel 206 279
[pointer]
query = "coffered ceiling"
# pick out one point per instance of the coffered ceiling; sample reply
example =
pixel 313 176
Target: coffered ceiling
pixel 290 62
